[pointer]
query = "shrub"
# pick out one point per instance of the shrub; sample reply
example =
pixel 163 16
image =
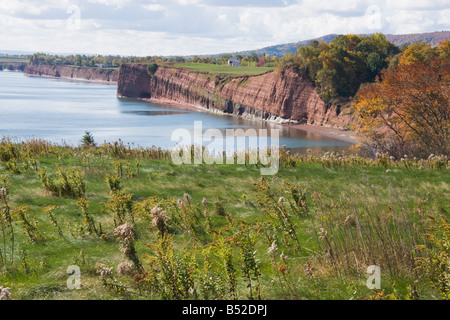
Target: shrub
pixel 67 183
pixel 151 69
pixel 88 140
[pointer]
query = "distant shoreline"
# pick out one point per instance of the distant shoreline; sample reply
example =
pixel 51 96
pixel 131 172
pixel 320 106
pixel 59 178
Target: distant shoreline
pixel 72 79
pixel 347 136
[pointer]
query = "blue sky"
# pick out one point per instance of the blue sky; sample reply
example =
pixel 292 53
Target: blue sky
pixel 185 27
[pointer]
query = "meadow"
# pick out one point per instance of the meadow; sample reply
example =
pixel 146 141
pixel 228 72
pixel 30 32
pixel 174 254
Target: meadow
pixel 13 59
pixel 216 69
pixel 140 227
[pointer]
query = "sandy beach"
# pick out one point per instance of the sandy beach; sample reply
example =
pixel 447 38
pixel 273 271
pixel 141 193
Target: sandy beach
pixel 335 133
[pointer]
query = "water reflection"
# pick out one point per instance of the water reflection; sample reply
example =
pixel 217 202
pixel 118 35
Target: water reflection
pixel 154 113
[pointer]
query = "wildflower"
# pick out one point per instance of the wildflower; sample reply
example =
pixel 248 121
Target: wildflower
pixel 431 156
pixel 273 249
pixel 388 171
pixel 103 270
pixel 125 231
pixel 421 168
pixel 392 158
pixel 280 201
pixel 4 294
pixel 323 233
pixel 3 193
pixel 204 202
pixel 180 203
pixel 159 219
pixel 282 269
pixel 309 268
pixel 187 197
pixel 156 211
pixel 125 268
pixel 283 257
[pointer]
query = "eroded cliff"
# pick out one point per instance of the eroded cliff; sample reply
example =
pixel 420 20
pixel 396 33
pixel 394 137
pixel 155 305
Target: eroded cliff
pixel 75 73
pixel 12 66
pixel 276 96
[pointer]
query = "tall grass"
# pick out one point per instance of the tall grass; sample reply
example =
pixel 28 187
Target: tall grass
pixel 156 230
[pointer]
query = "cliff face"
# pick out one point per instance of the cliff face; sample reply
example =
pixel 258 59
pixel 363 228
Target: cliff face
pixel 134 81
pixel 66 72
pixel 285 96
pixel 12 66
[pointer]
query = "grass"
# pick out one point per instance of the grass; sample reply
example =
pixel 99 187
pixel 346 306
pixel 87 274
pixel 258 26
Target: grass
pixel 224 70
pixel 13 59
pixel 336 217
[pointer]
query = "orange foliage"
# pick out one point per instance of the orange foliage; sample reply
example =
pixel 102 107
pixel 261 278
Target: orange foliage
pixel 407 112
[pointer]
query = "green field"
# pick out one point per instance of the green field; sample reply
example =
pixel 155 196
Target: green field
pixel 221 69
pixel 13 59
pixel 330 217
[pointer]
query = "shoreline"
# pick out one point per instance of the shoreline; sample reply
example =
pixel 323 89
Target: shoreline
pixel 330 132
pixel 72 79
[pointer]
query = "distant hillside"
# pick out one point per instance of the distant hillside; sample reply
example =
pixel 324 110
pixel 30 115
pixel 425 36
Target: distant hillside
pixel 433 38
pixel 282 49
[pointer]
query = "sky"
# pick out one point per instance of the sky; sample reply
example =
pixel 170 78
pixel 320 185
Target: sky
pixel 188 27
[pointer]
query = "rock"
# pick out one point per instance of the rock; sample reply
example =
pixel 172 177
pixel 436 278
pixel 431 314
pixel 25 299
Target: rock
pixel 75 73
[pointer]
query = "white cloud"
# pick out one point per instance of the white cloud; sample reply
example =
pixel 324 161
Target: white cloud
pixel 114 3
pixel 153 7
pixel 179 27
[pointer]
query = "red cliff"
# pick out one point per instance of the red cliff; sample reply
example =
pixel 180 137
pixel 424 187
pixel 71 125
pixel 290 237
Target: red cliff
pixel 285 96
pixel 66 72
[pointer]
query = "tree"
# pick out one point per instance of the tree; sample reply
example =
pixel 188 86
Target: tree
pixel 374 62
pixel 151 69
pixel 417 52
pixel 325 83
pixel 339 68
pixel 444 49
pixel 88 140
pixel 408 110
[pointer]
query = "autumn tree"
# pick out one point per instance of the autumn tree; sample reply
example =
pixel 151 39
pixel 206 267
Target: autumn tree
pixel 407 111
pixel 444 49
pixel 338 69
pixel 417 52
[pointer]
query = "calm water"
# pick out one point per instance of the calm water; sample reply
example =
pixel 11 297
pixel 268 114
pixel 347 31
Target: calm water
pixel 61 111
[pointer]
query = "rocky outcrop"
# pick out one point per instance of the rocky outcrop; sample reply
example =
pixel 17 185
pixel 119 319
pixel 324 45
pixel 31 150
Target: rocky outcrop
pixel 276 96
pixel 12 66
pixel 134 82
pixel 75 73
